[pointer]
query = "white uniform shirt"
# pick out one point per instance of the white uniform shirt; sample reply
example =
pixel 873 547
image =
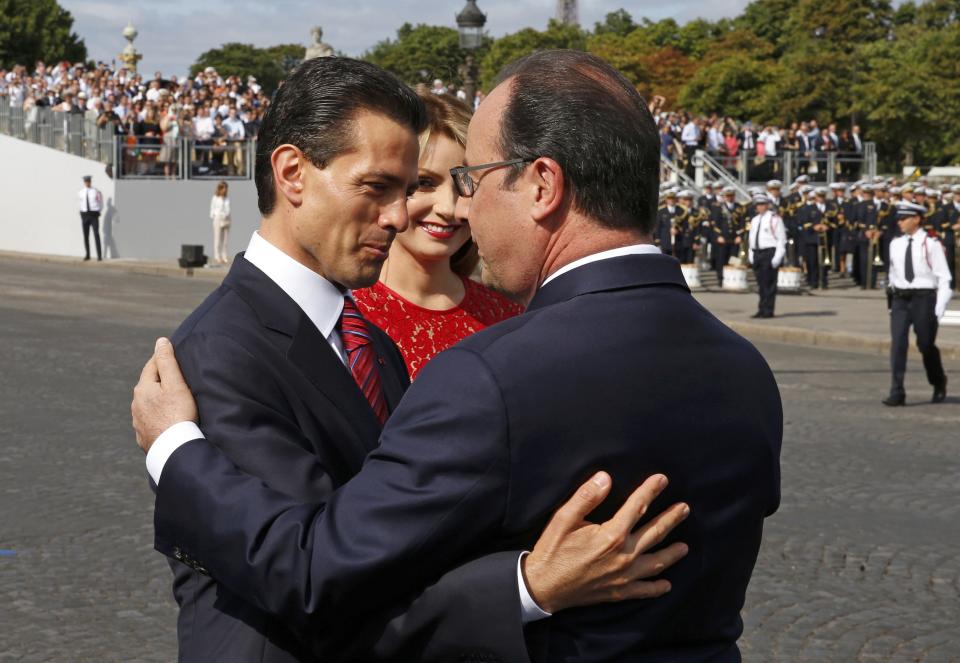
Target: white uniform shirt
pixel 930 269
pixel 768 232
pixel 89 199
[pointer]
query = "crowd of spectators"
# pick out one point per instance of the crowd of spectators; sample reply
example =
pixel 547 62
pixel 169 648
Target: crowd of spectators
pixel 727 139
pixel 217 113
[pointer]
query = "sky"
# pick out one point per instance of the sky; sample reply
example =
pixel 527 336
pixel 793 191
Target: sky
pixel 173 33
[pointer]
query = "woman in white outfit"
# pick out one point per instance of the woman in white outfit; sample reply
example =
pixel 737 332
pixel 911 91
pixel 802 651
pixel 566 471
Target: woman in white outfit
pixel 220 214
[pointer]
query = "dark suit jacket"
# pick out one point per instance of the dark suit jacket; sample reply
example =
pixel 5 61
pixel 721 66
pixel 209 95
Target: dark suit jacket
pixel 614 366
pixel 279 403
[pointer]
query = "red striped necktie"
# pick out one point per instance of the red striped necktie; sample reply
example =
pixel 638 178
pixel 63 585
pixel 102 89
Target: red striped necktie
pixel 361 357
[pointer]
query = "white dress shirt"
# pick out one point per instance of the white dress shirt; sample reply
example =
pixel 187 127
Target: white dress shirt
pixel 690 135
pixel 89 199
pixel 632 250
pixel 322 302
pixel 930 269
pixel 767 232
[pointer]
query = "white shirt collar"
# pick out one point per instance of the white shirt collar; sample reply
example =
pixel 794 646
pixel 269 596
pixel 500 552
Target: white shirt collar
pixel 634 249
pixel 315 295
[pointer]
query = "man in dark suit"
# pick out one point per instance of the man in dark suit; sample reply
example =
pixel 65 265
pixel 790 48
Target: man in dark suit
pixel 612 352
pixel 267 356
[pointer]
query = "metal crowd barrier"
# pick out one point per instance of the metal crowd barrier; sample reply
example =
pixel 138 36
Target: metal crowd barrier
pixel 130 157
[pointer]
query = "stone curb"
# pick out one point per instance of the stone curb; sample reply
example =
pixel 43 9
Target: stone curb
pixel 836 340
pixel 121 265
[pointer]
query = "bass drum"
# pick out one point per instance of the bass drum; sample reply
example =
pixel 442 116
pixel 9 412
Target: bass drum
pixel 692 275
pixel 735 278
pixel 789 278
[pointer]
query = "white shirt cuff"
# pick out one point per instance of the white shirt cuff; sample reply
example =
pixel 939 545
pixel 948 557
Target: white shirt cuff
pixel 169 441
pixel 529 610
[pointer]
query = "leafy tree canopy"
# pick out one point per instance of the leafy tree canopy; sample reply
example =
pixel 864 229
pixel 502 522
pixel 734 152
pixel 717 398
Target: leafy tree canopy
pixel 269 65
pixel 422 53
pixel 32 30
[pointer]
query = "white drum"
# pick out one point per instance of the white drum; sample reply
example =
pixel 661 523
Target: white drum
pixel 789 278
pixel 734 278
pixel 692 275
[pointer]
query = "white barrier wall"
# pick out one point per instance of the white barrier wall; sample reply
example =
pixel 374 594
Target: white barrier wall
pixel 141 219
pixel 38 186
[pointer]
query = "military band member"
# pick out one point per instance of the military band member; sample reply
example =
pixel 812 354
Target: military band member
pixel 669 216
pixel 726 224
pixel 919 293
pixel 689 224
pixel 841 236
pixel 768 246
pixel 867 237
pixel 816 220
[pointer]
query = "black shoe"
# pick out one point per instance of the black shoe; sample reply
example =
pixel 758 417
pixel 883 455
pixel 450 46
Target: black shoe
pixel 99 259
pixel 758 314
pixel 86 259
pixel 894 401
pixel 767 316
pixel 939 393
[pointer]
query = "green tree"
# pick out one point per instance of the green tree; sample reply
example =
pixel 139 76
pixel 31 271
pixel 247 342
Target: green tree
pixel 738 86
pixel 32 30
pixel 267 64
pixel 527 41
pixel 767 20
pixel 422 53
pixel 619 23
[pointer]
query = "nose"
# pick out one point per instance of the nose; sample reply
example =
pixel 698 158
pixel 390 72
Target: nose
pixel 445 204
pixel 395 216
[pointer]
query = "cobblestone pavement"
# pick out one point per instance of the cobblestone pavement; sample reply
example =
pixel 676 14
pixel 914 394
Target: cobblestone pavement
pixel 861 563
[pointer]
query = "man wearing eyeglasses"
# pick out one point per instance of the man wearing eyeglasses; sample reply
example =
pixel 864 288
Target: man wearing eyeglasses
pixel 602 371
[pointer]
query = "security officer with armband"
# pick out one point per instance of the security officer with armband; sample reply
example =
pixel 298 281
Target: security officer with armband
pixel 919 291
pixel 768 246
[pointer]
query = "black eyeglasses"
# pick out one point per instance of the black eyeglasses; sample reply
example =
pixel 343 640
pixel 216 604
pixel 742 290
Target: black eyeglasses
pixel 466 185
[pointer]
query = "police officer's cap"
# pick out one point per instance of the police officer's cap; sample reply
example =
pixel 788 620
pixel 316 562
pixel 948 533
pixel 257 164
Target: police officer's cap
pixel 837 186
pixel 774 184
pixel 708 185
pixel 761 199
pixel 907 209
pixel 932 192
pixel 805 189
pixel 672 192
pixel 87 178
pixel 755 191
pixel 895 190
pixel 907 188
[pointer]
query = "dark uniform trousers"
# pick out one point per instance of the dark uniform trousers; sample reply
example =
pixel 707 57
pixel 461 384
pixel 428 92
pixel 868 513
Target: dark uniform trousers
pixel 766 275
pixel 914 307
pixel 91 221
pixel 816 274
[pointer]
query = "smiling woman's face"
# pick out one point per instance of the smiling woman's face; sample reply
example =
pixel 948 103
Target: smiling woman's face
pixel 434 233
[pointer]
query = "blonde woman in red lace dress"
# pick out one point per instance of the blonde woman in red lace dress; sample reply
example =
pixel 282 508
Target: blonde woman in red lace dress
pixel 425 300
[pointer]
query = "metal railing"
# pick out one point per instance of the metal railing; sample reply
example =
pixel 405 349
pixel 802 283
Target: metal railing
pixel 709 168
pixel 131 157
pixel 672 172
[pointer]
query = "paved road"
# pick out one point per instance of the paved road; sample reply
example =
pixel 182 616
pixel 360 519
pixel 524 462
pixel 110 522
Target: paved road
pixel 862 562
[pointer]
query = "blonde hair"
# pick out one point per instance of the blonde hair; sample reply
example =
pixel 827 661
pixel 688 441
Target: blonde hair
pixel 448 116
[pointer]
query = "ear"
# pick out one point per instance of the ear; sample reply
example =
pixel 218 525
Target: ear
pixel 549 183
pixel 288 164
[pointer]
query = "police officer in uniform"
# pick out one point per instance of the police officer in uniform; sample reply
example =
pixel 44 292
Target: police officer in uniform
pixel 768 246
pixel 919 292
pixel 91 204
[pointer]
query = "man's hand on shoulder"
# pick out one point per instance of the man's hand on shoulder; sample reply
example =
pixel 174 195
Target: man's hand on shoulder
pixel 161 398
pixel 577 563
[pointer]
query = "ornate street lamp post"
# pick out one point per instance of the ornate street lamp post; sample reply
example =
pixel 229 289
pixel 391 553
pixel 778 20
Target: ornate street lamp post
pixel 470 22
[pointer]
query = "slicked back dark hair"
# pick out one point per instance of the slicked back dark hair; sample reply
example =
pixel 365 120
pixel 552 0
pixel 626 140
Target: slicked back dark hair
pixel 579 111
pixel 315 106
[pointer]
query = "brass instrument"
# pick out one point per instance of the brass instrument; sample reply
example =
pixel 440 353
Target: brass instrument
pixel 830 216
pixel 876 261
